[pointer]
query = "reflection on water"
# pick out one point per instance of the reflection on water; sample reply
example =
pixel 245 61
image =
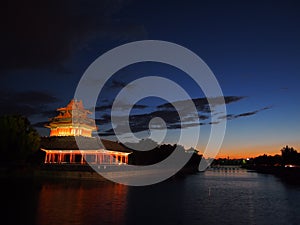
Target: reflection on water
pixel 243 198
pixel 82 203
pixel 204 198
pixel 162 203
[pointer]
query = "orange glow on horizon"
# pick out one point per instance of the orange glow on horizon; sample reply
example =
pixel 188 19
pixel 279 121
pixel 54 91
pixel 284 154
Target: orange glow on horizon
pixel 237 152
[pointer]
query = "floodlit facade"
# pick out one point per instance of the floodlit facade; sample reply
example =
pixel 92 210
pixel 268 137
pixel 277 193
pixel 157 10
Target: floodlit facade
pixel 71 140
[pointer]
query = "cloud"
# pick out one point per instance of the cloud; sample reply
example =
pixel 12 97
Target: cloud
pixel 104 119
pixel 117 84
pixel 182 126
pixel 103 108
pixel 231 99
pixel 202 103
pixel 140 122
pixel 251 113
pixel 245 114
pixel 120 106
pixel 26 103
pixel 37 33
pixel 109 132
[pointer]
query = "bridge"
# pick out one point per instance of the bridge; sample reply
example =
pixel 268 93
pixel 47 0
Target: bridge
pixel 226 168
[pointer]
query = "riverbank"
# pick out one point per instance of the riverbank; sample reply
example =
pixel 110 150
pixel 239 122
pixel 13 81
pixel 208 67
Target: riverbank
pixel 84 172
pixel 288 174
pixel 39 172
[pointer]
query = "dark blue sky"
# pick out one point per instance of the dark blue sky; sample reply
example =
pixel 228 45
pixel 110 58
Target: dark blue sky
pixel 252 47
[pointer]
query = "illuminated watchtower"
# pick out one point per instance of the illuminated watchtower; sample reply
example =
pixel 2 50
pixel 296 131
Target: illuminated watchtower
pixel 72 120
pixel 62 145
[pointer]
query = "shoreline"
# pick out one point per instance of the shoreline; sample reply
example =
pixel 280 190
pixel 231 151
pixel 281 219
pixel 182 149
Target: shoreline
pixel 80 172
pixel 288 174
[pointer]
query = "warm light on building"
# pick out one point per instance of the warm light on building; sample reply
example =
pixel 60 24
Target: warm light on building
pixel 72 120
pixel 61 146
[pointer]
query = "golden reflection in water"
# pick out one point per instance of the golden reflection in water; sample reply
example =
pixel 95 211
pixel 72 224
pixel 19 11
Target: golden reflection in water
pixel 82 203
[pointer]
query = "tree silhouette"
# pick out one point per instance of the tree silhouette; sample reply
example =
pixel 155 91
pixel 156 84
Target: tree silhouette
pixel 18 139
pixel 290 155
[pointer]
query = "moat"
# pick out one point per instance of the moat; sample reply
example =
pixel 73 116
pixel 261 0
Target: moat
pixel 211 197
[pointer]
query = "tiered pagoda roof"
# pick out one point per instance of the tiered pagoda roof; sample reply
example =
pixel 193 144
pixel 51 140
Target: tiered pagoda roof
pixel 85 143
pixel 72 120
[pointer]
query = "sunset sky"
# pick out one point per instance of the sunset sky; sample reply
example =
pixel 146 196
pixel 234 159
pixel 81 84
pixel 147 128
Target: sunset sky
pixel 252 47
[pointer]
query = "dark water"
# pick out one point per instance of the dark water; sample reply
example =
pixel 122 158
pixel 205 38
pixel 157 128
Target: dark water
pixel 204 198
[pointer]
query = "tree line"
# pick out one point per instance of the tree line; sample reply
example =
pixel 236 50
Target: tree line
pixel 20 142
pixel 288 157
